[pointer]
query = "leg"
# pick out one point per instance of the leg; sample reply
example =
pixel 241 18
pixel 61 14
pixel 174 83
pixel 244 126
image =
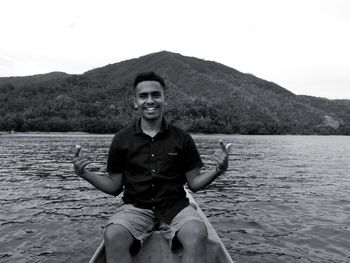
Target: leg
pixel 193 235
pixel 128 225
pixel 118 241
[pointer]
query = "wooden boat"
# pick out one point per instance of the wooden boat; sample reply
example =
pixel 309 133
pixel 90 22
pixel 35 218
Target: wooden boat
pixel 156 249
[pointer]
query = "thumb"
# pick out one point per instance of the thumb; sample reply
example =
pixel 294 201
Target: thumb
pixel 228 146
pixel 77 150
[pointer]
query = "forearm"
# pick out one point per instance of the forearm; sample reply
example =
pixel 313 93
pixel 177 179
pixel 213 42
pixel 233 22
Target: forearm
pixel 105 183
pixel 203 179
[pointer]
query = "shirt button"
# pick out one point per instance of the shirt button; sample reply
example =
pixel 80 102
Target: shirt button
pixel 152 155
pixel 152 186
pixel 153 207
pixel 153 171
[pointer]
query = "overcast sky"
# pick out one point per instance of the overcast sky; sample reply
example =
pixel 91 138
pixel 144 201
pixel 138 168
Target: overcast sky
pixel 302 45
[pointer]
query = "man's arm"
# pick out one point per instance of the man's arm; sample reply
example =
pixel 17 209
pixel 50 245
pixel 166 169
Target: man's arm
pixel 197 180
pixel 111 184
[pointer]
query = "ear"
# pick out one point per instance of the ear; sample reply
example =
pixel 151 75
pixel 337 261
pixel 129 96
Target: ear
pixel 166 96
pixel 134 102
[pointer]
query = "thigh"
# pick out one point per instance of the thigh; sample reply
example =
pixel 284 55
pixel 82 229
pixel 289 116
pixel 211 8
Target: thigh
pixel 185 215
pixel 138 221
pixel 188 214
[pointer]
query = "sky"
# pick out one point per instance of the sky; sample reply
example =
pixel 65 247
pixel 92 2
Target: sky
pixel 302 45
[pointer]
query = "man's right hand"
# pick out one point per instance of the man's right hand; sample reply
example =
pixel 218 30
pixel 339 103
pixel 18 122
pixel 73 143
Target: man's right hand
pixel 79 162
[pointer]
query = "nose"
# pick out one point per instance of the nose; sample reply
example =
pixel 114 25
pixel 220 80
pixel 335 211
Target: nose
pixel 149 99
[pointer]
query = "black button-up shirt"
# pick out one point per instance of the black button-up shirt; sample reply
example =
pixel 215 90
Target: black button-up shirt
pixel 154 167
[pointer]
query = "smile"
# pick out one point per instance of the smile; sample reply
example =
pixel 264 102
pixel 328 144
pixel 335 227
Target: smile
pixel 150 109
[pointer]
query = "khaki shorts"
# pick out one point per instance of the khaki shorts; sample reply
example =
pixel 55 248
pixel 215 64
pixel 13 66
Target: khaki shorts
pixel 142 222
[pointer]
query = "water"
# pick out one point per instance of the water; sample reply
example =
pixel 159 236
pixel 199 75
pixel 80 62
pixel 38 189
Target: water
pixel 284 198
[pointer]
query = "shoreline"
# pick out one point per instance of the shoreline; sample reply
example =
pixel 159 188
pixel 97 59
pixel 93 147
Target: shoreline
pixel 10 134
pixel 39 133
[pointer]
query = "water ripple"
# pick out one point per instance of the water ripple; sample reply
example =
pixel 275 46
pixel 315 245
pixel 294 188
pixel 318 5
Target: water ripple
pixel 283 199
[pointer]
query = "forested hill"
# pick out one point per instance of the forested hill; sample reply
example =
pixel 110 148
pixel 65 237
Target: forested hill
pixel 203 96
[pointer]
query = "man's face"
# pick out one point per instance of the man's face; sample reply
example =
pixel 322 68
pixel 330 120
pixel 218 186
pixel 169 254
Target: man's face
pixel 149 99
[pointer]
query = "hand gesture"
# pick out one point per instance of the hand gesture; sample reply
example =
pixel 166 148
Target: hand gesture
pixel 79 162
pixel 221 156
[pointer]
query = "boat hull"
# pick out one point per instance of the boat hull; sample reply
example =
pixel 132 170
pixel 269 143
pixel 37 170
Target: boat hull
pixel 157 250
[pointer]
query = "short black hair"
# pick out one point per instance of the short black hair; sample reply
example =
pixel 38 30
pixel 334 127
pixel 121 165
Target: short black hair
pixel 149 76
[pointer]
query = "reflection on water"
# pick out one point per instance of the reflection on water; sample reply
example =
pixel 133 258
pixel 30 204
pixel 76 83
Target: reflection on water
pixel 284 198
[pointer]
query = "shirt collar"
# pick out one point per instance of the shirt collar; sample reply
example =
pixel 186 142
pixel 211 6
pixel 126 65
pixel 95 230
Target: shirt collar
pixel 138 130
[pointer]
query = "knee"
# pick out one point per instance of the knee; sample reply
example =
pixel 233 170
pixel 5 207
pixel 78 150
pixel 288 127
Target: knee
pixel 193 234
pixel 117 236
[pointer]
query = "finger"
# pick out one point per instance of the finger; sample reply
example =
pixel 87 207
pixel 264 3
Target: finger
pixel 77 160
pixel 228 146
pixel 84 164
pixel 218 154
pixel 222 145
pixel 77 150
pixel 216 158
pixel 80 161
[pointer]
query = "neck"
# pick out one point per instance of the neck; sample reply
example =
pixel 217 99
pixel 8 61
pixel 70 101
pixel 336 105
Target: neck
pixel 151 127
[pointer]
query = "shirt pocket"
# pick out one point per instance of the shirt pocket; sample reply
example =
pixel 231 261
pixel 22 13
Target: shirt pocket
pixel 169 163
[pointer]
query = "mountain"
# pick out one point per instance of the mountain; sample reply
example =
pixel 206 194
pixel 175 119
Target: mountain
pixel 203 96
pixel 20 81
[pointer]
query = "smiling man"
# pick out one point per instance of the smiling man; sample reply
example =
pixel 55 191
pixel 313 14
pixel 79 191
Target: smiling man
pixel 152 160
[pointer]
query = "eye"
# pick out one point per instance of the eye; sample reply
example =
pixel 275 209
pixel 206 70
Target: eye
pixel 156 94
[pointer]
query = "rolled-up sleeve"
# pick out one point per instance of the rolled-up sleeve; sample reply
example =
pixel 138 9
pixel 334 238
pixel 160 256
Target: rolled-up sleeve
pixel 116 157
pixel 192 158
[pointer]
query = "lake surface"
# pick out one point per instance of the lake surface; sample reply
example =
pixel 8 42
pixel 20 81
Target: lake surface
pixel 284 198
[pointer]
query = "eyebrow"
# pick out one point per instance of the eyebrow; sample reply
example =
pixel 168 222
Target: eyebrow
pixel 152 93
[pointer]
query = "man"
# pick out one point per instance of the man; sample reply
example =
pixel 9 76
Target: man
pixel 152 160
